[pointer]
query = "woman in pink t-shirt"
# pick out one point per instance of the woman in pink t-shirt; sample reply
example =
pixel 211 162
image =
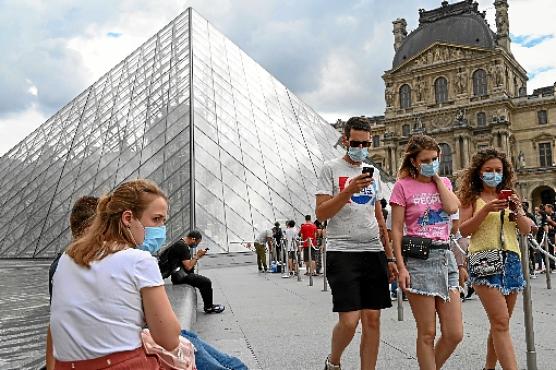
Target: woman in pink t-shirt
pixel 423 201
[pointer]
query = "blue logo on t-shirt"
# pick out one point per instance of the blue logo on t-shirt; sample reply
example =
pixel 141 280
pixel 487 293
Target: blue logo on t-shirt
pixel 365 196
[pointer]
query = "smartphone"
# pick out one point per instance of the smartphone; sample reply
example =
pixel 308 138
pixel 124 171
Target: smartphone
pixel 505 194
pixel 368 170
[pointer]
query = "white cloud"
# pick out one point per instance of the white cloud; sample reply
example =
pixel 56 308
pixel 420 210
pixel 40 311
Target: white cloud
pixel 15 127
pixel 332 56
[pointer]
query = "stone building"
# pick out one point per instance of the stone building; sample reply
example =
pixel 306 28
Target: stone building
pixel 457 80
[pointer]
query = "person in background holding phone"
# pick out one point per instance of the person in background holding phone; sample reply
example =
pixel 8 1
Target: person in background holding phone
pixel 358 264
pixel 485 193
pixel 423 202
pixel 184 264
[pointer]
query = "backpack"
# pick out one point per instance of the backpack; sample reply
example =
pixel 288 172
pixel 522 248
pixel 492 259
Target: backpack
pixel 164 263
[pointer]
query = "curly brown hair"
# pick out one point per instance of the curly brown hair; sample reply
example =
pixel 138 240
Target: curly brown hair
pixel 469 180
pixel 416 145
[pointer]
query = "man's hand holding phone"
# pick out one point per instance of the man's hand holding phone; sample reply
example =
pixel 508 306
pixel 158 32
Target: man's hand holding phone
pixel 360 182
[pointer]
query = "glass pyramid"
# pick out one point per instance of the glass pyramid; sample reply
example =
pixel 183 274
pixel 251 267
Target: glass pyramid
pixel 232 147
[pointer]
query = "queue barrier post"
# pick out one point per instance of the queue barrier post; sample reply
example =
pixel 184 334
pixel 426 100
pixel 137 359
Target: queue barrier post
pixel 323 256
pixel 528 306
pixel 298 260
pixel 400 303
pixel 310 263
pixel 285 272
pixel 547 262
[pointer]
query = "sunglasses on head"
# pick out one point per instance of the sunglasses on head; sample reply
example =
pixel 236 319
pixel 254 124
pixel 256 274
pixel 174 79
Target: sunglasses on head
pixel 356 143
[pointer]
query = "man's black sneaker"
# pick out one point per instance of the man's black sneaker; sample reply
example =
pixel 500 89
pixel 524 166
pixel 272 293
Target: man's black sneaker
pixel 216 308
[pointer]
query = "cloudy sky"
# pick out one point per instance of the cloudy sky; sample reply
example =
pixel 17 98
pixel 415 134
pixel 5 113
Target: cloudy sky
pixel 331 53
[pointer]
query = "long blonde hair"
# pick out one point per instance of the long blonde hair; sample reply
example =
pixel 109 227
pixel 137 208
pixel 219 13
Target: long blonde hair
pixel 416 145
pixel 107 234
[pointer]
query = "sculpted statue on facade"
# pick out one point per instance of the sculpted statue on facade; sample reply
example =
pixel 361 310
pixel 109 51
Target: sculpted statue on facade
pixel 420 89
pixel 499 74
pixel 389 95
pixel 461 81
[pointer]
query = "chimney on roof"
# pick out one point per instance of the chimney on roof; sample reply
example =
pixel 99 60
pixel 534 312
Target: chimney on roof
pixel 502 24
pixel 400 32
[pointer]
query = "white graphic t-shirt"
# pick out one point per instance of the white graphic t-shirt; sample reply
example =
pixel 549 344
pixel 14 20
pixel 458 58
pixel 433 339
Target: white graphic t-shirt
pixel 354 228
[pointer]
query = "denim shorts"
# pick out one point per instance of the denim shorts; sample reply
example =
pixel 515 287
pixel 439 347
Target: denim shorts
pixel 435 276
pixel 510 281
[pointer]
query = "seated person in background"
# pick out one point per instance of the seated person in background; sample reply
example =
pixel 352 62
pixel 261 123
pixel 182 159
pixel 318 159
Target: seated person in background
pixel 105 288
pixel 81 216
pixel 180 256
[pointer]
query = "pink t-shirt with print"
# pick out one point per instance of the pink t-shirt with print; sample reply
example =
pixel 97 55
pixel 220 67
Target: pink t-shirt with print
pixel 424 216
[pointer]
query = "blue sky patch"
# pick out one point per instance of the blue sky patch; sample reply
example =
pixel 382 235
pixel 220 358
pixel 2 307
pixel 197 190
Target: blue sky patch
pixel 536 71
pixel 114 35
pixel 529 41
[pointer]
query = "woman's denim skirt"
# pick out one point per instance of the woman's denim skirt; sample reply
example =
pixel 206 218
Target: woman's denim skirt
pixel 435 276
pixel 509 281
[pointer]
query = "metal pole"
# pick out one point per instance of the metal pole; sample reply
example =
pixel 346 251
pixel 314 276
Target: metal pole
pixel 324 241
pixel 297 257
pixel 547 263
pixel 400 303
pixel 310 251
pixel 285 272
pixel 528 306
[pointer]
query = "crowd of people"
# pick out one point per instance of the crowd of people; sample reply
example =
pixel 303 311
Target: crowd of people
pixel 433 242
pixel 293 246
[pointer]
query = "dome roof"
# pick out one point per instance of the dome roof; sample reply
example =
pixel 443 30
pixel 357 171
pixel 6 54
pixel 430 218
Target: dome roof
pixel 469 29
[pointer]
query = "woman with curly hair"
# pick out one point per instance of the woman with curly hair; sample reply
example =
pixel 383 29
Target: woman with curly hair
pixel 494 255
pixel 424 201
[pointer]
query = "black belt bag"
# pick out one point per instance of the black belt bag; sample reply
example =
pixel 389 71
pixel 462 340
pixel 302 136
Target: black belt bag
pixel 416 247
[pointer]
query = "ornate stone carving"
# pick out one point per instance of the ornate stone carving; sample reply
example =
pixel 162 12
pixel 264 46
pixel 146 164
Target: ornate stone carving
pixel 461 81
pixel 420 89
pixel 389 95
pixel 498 74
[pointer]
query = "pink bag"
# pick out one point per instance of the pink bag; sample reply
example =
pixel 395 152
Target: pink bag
pixel 182 358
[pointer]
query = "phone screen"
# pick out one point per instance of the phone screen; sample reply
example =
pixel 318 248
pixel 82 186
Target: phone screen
pixel 368 170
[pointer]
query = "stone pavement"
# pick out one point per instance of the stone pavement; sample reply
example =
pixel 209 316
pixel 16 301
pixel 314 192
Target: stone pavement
pixel 270 322
pixel 274 323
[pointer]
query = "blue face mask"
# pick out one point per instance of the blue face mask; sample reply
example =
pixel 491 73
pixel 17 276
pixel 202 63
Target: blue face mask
pixel 492 179
pixel 154 239
pixel 358 154
pixel 429 169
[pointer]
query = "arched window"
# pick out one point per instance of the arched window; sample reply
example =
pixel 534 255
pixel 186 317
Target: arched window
pixel 406 130
pixel 441 90
pixel 445 160
pixel 481 119
pixel 405 96
pixel 479 82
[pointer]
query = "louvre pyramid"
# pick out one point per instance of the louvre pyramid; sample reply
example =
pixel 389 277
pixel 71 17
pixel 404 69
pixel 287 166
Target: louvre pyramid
pixel 189 110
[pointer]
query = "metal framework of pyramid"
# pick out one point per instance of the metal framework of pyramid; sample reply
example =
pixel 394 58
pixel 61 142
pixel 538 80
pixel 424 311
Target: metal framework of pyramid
pixel 232 147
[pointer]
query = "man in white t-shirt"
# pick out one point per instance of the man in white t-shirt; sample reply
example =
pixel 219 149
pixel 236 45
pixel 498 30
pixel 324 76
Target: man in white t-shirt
pixel 292 246
pixel 358 265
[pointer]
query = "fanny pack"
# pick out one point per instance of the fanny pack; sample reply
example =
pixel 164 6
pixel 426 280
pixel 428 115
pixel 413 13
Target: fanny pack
pixel 489 262
pixel 416 247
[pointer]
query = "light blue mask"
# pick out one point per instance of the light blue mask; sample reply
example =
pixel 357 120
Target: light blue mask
pixel 154 239
pixel 358 154
pixel 492 179
pixel 429 169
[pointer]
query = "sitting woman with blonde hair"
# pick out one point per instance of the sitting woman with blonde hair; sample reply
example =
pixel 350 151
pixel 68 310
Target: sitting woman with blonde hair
pixel 107 285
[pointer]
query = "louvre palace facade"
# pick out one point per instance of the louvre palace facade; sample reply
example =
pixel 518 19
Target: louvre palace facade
pixel 457 80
